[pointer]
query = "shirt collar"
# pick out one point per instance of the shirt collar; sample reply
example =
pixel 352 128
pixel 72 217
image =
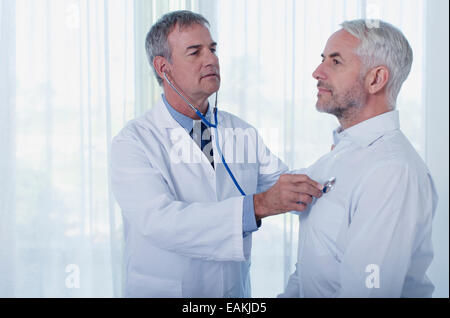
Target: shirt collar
pixel 366 132
pixel 184 121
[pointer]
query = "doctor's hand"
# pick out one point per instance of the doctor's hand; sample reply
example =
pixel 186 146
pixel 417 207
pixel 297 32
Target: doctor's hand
pixel 292 192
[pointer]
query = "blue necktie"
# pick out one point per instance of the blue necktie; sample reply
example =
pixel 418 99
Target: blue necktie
pixel 202 137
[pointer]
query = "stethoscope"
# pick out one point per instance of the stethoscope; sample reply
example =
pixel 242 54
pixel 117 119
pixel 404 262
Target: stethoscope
pixel 210 125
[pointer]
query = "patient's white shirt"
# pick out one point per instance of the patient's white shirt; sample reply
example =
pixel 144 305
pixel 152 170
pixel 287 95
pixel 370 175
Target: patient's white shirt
pixel 370 236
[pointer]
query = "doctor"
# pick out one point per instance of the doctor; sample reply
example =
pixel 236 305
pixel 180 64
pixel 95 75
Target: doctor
pixel 187 223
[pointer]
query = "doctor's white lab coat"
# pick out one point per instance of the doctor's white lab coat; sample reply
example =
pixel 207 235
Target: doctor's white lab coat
pixel 182 218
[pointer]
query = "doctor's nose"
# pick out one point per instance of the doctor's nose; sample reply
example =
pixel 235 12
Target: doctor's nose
pixel 211 59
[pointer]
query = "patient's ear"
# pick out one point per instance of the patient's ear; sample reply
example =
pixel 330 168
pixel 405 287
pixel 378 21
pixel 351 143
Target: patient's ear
pixel 376 79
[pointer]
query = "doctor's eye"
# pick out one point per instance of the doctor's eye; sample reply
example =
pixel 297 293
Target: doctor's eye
pixel 194 53
pixel 336 62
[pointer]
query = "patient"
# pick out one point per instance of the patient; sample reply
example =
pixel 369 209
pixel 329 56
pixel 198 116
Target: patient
pixel 370 235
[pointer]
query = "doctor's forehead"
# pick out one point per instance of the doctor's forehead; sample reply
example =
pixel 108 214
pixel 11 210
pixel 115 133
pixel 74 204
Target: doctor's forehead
pixel 195 34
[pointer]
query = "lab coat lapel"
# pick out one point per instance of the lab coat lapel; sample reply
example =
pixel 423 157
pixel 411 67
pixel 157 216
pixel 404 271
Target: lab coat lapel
pixel 226 141
pixel 183 152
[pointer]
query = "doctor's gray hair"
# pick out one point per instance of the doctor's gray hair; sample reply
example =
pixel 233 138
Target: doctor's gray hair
pixel 385 45
pixel 156 43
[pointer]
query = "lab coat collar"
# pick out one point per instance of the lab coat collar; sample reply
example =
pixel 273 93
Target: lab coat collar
pixel 160 116
pixel 184 121
pixel 368 131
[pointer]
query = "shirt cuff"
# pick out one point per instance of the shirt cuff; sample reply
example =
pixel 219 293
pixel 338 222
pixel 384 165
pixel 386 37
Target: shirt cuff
pixel 249 223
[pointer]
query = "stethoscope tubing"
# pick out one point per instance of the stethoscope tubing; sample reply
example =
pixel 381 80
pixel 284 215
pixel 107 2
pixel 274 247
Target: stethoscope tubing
pixel 210 125
pixel 222 157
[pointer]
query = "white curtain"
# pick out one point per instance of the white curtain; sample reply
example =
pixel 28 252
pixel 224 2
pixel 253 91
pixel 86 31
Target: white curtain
pixel 7 147
pixel 68 86
pixel 73 72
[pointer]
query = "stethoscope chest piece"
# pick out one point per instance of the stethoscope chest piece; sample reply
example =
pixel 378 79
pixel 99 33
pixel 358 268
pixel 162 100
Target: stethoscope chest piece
pixel 329 185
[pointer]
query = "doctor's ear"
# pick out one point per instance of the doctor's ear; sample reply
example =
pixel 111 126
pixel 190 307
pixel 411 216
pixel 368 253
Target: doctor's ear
pixel 376 79
pixel 161 65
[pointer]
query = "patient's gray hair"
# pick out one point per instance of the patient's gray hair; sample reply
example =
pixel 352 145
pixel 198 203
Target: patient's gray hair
pixel 383 44
pixel 156 43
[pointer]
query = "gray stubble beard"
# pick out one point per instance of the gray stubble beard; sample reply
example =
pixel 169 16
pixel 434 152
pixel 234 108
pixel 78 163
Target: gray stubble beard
pixel 346 108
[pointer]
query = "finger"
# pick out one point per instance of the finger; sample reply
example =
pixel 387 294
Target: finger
pixel 299 207
pixel 311 182
pixel 306 199
pixel 303 178
pixel 291 197
pixel 306 188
